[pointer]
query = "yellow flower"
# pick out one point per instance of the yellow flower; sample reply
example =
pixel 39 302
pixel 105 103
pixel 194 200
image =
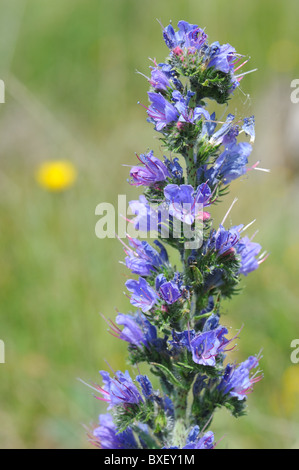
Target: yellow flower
pixel 56 175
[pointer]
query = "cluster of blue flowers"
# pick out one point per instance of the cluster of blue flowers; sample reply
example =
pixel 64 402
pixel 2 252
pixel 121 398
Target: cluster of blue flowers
pixel 175 325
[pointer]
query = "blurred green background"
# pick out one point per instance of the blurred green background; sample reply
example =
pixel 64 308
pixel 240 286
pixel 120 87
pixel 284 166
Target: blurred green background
pixel 71 93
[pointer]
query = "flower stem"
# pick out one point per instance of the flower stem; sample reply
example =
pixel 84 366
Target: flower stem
pixel 191 168
pixel 180 405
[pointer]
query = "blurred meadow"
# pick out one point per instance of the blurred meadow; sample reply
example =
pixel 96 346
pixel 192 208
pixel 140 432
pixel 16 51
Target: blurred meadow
pixel 71 94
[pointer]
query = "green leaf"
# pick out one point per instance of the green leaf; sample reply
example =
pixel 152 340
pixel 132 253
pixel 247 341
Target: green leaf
pixel 168 374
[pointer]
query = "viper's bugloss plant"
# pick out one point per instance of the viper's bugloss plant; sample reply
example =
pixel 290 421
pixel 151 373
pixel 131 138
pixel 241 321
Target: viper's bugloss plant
pixel 175 324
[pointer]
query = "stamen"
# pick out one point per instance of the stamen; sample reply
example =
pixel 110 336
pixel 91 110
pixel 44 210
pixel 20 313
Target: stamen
pixel 247 226
pixel 245 73
pixel 226 215
pixel 142 74
pixel 266 170
pixel 241 65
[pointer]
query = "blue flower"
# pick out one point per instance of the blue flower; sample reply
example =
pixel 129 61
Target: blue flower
pixel 168 406
pixel 106 435
pixel 132 333
pixel 199 385
pixel 188 115
pixel 249 127
pixel 214 279
pixel 185 203
pixel 152 172
pixel 146 387
pixel 161 111
pixel 188 35
pixel 224 241
pixel 119 390
pixel 182 340
pixel 137 329
pixel 143 296
pixel 144 259
pixel 171 75
pixel 159 80
pixel 169 290
pixel 174 168
pixel 205 347
pixel 231 164
pixel 210 307
pixel 237 380
pixel 218 137
pixel 211 323
pixel 248 252
pixel 222 57
pixel 163 78
pixel 163 401
pixel 147 218
pixel 194 441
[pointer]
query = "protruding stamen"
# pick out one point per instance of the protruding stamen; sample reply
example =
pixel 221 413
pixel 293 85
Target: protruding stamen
pixel 241 65
pixel 226 215
pixel 248 225
pixel 245 73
